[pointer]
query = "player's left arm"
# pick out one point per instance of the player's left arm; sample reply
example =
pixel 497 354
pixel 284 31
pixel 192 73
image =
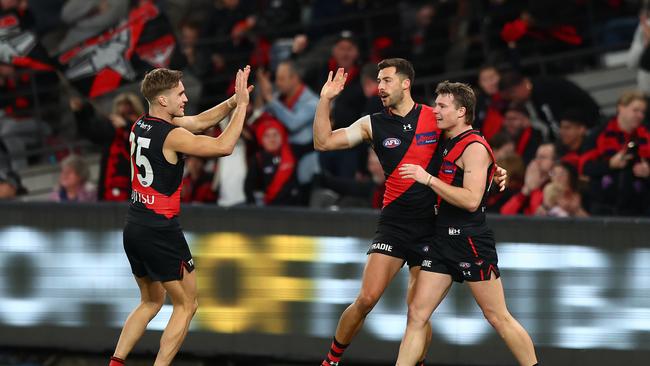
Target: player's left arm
pixel 474 161
pixel 208 118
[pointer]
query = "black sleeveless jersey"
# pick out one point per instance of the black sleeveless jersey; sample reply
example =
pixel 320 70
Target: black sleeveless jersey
pixel 155 197
pixel 450 151
pixel 399 140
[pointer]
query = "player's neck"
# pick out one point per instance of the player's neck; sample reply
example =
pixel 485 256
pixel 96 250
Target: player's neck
pixel 404 107
pixel 457 130
pixel 158 113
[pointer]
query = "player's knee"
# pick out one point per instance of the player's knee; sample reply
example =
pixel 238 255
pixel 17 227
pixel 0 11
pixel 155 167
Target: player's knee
pixel 416 316
pixel 153 306
pixel 497 319
pixel 367 301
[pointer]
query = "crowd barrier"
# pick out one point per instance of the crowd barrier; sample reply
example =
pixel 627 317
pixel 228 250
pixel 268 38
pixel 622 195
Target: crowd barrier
pixel 273 282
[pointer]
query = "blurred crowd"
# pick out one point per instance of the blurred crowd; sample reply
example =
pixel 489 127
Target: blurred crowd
pixel 74 77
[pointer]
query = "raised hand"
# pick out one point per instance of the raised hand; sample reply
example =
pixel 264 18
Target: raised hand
pixel 242 90
pixel 334 84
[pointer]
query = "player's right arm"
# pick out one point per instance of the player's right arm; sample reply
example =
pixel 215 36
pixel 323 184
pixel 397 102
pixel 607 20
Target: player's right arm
pixel 343 138
pixel 182 140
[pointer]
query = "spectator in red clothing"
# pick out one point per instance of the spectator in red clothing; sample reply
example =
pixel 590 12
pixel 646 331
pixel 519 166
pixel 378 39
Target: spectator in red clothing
pixel 537 175
pixel 572 138
pixel 517 125
pixel 618 166
pixel 111 132
pixel 271 178
pixel 489 104
pixel 197 183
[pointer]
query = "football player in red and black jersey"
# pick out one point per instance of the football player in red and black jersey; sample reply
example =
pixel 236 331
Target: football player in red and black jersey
pixel 404 132
pixel 464 247
pixel 159 256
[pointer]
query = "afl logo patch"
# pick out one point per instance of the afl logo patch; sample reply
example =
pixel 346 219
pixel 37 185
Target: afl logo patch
pixel 391 142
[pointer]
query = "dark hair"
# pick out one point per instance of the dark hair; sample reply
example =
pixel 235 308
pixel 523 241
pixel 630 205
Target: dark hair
pixel 573 174
pixel 402 66
pixel 499 140
pixel 575 116
pixel 157 81
pixel 293 68
pixel 463 97
pixel 518 107
pixel 510 79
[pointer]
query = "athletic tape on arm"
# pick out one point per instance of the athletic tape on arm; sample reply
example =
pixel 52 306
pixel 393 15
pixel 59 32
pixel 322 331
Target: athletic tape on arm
pixel 354 132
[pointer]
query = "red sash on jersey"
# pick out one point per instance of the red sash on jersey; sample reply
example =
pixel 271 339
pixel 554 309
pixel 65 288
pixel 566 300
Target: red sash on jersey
pixel 416 154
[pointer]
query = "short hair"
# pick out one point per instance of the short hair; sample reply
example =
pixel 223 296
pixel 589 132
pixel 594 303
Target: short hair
pixel 575 116
pixel 499 140
pixel 130 98
pixel 78 164
pixel 293 68
pixel 463 97
pixel 518 107
pixel 402 66
pixel 157 81
pixel 630 96
pixel 510 79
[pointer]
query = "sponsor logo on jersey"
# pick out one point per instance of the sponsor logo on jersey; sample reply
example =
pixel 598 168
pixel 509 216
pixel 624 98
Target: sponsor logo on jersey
pixel 479 262
pixel 464 265
pixel 448 167
pixel 382 246
pixel 143 125
pixel 391 142
pixel 147 199
pixel 426 138
pixel 454 231
pixel 407 127
pixel 426 263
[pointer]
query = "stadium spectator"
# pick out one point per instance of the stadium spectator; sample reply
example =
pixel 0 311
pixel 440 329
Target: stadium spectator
pixel 197 183
pixel 561 197
pixel 294 105
pixel 547 99
pixel 348 108
pixel 502 146
pixel 537 175
pixel 572 141
pixel 489 104
pixel 618 165
pixel 74 184
pixel 112 134
pixel 516 168
pixel 517 124
pixel 271 178
pixel 370 89
pixel 10 185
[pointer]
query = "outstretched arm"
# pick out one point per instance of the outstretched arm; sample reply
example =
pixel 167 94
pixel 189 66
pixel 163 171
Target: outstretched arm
pixel 181 140
pixel 210 117
pixel 343 138
pixel 475 162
